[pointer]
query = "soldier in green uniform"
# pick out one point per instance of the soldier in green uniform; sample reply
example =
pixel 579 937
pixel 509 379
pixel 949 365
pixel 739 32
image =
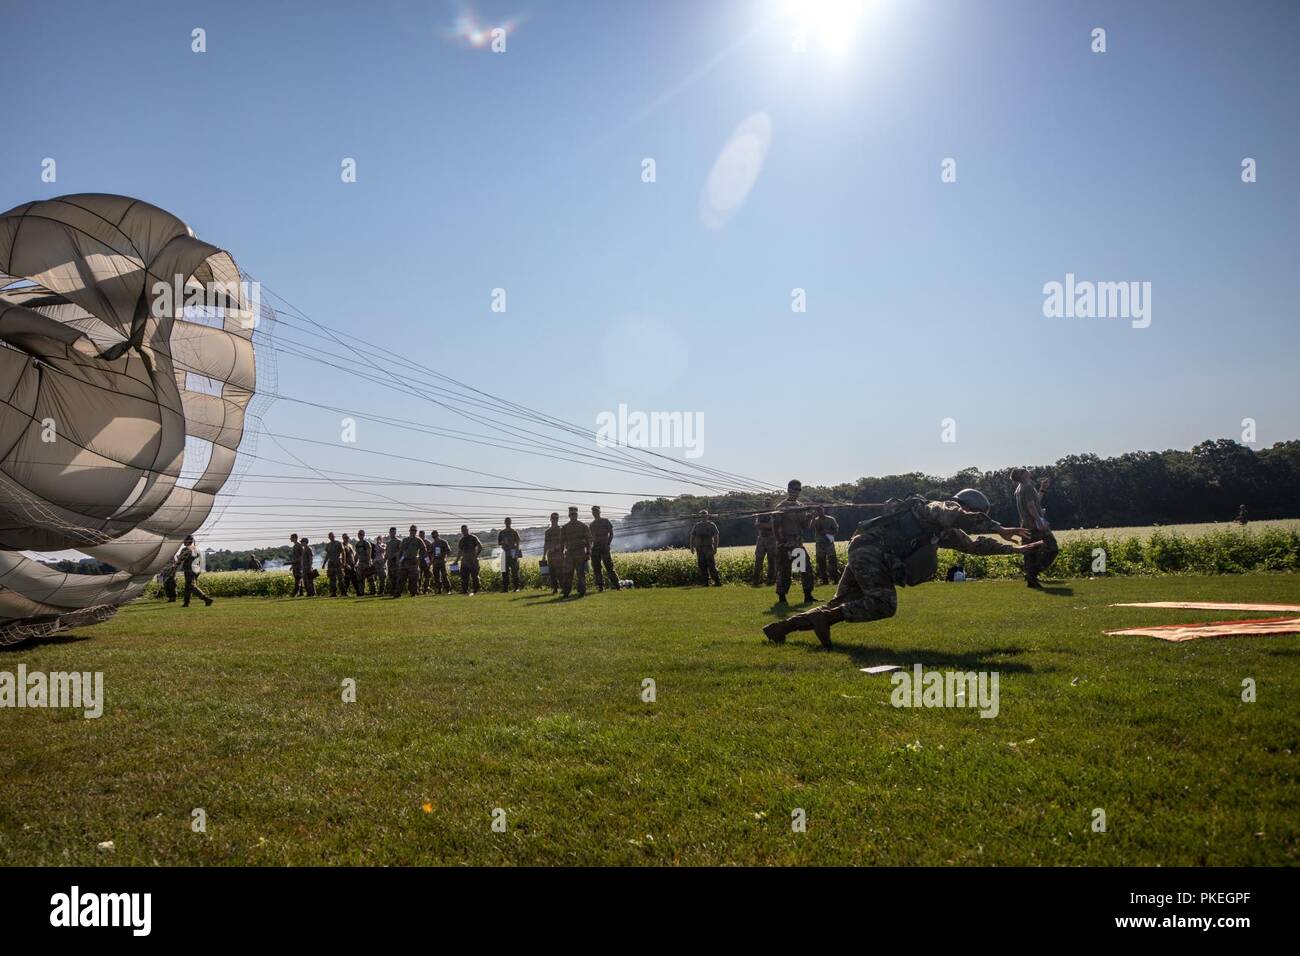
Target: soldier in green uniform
pixel 901 547
pixel 791 519
pixel 765 547
pixel 426 568
pixel 333 563
pixel 602 537
pixel 381 566
pixel 438 549
pixel 295 564
pixel 576 539
pixel 350 579
pixel 305 561
pixel 185 559
pixel 408 573
pixel 704 545
pixel 467 552
pixel 508 542
pixel 825 527
pixel 393 555
pixel 554 553
pixel 1029 504
pixel 365 549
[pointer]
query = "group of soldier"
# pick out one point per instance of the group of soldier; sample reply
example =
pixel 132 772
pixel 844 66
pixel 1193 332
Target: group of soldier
pixel 419 563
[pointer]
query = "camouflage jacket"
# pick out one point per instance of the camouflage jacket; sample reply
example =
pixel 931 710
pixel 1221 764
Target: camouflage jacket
pixel 575 536
pixel 469 547
pixel 602 531
pixel 702 536
pixel 790 523
pixel 553 542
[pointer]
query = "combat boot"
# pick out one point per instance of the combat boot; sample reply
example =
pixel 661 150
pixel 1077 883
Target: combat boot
pixel 777 630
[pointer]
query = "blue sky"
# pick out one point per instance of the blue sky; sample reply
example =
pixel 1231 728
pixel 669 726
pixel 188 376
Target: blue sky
pixel 522 170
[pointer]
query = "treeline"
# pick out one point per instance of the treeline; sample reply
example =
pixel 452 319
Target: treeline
pixel 1209 483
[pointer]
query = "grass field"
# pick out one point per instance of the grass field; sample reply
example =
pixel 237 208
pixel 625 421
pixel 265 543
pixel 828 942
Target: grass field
pixel 534 706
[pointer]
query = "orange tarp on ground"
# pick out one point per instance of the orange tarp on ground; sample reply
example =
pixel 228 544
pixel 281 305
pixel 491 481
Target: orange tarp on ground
pixel 1192 632
pixel 1215 606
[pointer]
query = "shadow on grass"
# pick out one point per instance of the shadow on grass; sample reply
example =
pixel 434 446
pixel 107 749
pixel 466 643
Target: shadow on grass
pixel 1058 591
pixel 34 642
pixel 993 658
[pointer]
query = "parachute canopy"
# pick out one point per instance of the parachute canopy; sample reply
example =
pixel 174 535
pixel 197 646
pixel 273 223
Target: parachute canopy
pixel 122 336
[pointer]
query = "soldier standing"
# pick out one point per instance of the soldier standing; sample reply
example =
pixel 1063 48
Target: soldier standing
pixel 305 560
pixel 426 573
pixel 393 554
pixel 508 542
pixel 704 545
pixel 333 563
pixel 408 574
pixel 765 547
pixel 825 527
pixel 602 537
pixel 576 539
pixel 381 566
pixel 350 567
pixel 553 549
pixel 438 564
pixel 1029 505
pixel 295 565
pixel 365 550
pixel 791 519
pixel 901 547
pixel 467 552
pixel 185 558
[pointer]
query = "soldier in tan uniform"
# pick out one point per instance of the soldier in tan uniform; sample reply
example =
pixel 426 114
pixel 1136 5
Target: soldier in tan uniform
pixel 765 547
pixel 365 549
pixel 467 552
pixel 438 550
pixel 305 560
pixel 295 565
pixel 901 547
pixel 576 539
pixel 553 547
pixel 704 545
pixel 333 563
pixel 825 527
pixel 408 570
pixel 350 578
pixel 791 519
pixel 392 557
pixel 602 536
pixel 508 542
pixel 1029 504
pixel 426 569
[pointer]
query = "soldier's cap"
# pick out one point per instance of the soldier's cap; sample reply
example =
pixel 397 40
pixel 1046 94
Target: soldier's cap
pixel 573 509
pixel 595 509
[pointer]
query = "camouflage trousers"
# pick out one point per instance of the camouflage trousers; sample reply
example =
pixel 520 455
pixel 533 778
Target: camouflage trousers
pixel 707 562
pixel 601 561
pixel 509 571
pixel 469 581
pixel 1040 559
pixel 441 581
pixel 786 558
pixel 574 565
pixel 192 589
pixel 394 577
pixel 555 565
pixel 828 562
pixel 408 576
pixel 765 548
pixel 334 573
pixel 866 591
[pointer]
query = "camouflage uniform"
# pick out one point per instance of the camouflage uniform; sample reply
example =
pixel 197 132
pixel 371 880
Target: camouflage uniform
pixel 381 566
pixel 408 574
pixel 295 565
pixel 167 576
pixel 508 541
pixel 790 522
pixel 764 548
pixel 576 539
pixel 185 559
pixel 350 578
pixel 334 565
pixel 877 553
pixel 554 548
pixel 305 560
pixel 393 555
pixel 828 562
pixel 426 571
pixel 438 564
pixel 602 534
pixel 467 552
pixel 365 550
pixel 1029 503
pixel 703 534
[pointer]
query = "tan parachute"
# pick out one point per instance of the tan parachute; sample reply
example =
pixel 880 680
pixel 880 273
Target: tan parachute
pixel 122 336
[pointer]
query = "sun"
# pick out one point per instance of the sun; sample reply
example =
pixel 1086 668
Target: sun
pixel 826 24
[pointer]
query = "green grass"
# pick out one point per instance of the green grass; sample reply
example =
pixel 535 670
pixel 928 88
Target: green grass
pixel 534 706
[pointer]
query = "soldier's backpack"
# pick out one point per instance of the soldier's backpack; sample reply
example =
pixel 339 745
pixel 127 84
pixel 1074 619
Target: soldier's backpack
pixel 912 551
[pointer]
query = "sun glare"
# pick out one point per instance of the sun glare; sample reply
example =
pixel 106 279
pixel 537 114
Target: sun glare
pixel 828 25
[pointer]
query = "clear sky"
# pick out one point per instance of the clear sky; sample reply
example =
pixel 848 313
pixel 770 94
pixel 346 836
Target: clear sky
pixel 522 170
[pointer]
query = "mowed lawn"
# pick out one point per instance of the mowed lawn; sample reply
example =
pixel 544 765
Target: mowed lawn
pixel 533 706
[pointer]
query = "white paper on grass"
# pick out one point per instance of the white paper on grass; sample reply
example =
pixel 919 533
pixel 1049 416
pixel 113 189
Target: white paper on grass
pixel 881 668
